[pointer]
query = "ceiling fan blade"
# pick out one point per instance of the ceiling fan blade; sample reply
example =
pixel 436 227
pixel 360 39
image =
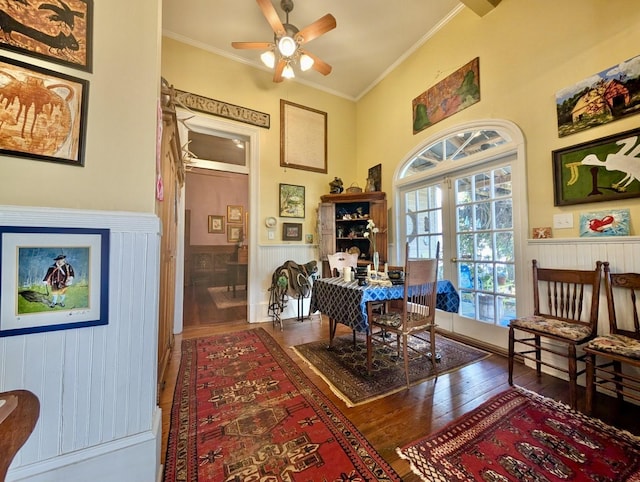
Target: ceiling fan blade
pixel 252 45
pixel 277 75
pixel 319 65
pixel 272 17
pixel 317 28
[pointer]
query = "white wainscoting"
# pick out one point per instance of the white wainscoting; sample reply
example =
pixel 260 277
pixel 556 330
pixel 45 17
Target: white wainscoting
pixel 97 386
pixel 270 257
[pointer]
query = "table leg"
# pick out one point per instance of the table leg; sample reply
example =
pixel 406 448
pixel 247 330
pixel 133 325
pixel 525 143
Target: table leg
pixel 332 331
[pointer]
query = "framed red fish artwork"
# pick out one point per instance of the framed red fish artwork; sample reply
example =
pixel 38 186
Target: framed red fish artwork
pixel 614 222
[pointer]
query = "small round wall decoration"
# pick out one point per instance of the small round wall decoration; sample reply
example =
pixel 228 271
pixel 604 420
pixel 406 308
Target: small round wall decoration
pixel 271 222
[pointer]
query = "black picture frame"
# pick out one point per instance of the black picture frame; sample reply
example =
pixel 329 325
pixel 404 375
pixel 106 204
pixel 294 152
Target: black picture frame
pixel 39 30
pixel 593 171
pixel 60 136
pixel 27 256
pixel 292 231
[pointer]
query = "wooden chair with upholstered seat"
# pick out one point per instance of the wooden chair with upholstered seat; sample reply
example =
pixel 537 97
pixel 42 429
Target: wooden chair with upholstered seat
pixel 340 260
pixel 607 354
pixel 565 314
pixel 416 317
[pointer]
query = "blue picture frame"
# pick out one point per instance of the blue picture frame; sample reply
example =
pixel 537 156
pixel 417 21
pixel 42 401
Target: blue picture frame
pixel 53 279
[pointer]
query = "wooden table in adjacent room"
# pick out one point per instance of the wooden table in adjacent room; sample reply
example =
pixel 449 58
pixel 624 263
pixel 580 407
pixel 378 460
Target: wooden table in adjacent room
pixel 236 274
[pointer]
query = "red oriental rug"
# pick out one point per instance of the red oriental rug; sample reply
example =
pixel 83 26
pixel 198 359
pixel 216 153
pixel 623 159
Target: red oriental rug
pixel 244 411
pixel 519 435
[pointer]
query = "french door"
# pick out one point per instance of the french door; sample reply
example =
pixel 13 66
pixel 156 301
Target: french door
pixel 470 213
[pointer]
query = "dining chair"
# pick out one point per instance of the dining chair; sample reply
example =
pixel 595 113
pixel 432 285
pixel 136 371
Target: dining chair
pixel 340 260
pixel 621 346
pixel 565 314
pixel 415 318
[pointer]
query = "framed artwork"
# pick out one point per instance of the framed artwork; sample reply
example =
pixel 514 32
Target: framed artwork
pixel 59 32
pixel 303 137
pixel 216 224
pixel 375 173
pixel 291 231
pixel 600 170
pixel 53 279
pixel 541 233
pixel 309 238
pixel 291 201
pixel 614 222
pixel 609 95
pixel 234 233
pixel 234 214
pixel 52 129
pixel 452 94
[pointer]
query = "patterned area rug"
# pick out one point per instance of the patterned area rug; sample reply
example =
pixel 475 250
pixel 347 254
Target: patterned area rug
pixel 244 411
pixel 518 435
pixel 225 299
pixel 344 368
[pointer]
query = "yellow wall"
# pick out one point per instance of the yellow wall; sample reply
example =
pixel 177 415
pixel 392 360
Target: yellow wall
pixel 528 51
pixel 200 72
pixel 119 170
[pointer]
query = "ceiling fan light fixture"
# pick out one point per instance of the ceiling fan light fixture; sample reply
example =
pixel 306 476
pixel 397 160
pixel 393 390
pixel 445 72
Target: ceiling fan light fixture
pixel 268 58
pixel 287 46
pixel 306 62
pixel 287 72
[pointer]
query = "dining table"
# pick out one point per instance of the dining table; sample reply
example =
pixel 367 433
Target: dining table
pixel 346 302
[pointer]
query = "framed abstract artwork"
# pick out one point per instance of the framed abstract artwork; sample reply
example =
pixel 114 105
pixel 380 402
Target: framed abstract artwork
pixel 51 129
pixel 452 94
pixel 53 279
pixel 600 170
pixel 56 31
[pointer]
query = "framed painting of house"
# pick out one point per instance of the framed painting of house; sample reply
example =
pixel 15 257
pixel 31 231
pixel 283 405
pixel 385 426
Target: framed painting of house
pixel 59 32
pixel 605 169
pixel 609 95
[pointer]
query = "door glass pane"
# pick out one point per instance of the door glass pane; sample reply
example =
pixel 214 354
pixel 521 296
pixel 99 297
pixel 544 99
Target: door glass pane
pixel 485 246
pixel 423 222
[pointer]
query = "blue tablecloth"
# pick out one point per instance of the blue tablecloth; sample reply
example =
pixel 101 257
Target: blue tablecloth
pixel 346 302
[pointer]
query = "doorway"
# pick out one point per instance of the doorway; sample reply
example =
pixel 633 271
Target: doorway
pixel 196 130
pixel 464 189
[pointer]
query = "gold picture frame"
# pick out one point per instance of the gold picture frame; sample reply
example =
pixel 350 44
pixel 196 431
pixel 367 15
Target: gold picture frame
pixel 303 137
pixel 234 214
pixel 216 224
pixel 234 233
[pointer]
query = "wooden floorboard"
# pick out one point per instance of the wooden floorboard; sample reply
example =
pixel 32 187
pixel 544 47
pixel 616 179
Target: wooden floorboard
pixel 400 418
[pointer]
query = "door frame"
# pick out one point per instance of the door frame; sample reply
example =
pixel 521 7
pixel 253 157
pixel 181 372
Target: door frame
pixel 208 124
pixel 515 148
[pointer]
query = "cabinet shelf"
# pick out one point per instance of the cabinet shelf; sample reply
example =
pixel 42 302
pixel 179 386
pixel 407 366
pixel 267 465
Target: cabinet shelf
pixel 363 207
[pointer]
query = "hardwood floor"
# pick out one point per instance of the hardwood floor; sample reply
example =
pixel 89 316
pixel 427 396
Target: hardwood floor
pixel 397 419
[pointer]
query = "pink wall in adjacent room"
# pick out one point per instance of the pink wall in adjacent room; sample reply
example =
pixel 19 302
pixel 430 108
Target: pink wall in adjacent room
pixel 208 193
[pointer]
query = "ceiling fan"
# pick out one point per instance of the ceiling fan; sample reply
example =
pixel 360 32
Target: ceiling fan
pixel 288 41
